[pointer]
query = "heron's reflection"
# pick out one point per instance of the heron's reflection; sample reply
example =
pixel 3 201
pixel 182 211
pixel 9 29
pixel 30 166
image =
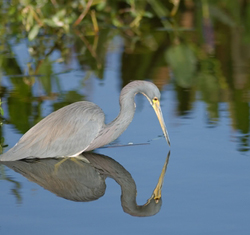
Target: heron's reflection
pixel 83 179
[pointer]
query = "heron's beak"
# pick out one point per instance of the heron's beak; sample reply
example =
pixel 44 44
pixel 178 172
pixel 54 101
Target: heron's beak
pixel 157 191
pixel 157 109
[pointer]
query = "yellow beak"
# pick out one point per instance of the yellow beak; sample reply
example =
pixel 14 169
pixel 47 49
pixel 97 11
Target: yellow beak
pixel 157 109
pixel 157 191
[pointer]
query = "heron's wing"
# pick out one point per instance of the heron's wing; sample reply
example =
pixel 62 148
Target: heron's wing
pixel 66 132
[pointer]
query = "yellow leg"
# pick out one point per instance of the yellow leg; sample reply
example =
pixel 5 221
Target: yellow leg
pixel 59 163
pixel 80 160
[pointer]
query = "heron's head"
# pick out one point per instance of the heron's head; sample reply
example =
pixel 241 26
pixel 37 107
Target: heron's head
pixel 153 95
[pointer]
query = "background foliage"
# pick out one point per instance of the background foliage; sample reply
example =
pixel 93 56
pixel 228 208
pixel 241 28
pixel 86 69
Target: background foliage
pixel 201 46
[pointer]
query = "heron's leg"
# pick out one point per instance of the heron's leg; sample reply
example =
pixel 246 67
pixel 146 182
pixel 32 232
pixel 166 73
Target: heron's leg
pixel 59 163
pixel 80 159
pixel 77 159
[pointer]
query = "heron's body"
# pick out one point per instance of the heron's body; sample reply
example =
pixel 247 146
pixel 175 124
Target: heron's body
pixel 80 127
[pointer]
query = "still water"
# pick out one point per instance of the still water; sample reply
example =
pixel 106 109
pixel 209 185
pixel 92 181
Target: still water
pixel 206 186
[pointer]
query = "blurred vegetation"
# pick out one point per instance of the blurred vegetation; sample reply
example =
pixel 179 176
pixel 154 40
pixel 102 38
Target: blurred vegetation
pixel 202 47
pixel 15 185
pixel 1 123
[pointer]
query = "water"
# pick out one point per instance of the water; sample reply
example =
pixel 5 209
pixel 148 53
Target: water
pixel 206 186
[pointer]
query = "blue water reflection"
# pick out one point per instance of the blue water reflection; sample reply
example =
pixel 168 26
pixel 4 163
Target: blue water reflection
pixel 82 179
pixel 207 186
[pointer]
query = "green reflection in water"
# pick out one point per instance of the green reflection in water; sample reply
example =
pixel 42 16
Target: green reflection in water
pixel 202 45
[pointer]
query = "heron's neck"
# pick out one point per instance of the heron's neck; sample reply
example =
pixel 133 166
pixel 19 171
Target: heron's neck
pixel 128 197
pixel 115 128
pixel 126 115
pixel 114 170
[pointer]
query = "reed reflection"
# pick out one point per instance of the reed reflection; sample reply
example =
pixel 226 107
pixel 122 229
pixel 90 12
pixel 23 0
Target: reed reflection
pixel 83 179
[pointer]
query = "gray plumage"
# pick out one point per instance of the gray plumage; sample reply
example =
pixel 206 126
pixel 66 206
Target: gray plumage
pixel 81 181
pixel 80 127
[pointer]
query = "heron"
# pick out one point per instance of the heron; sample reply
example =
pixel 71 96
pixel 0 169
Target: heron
pixel 80 126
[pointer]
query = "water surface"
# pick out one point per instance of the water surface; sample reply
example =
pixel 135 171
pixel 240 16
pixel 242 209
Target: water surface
pixel 205 102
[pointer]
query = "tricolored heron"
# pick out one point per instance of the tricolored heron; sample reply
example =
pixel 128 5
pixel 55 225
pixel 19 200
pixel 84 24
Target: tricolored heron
pixel 80 127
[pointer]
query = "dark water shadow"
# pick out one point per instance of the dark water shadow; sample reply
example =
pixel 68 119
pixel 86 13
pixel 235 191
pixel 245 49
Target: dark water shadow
pixel 83 179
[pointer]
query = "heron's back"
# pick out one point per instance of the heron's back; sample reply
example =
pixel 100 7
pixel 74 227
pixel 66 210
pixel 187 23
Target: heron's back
pixel 64 132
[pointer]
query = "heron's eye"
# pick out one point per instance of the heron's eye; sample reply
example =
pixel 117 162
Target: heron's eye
pixel 155 99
